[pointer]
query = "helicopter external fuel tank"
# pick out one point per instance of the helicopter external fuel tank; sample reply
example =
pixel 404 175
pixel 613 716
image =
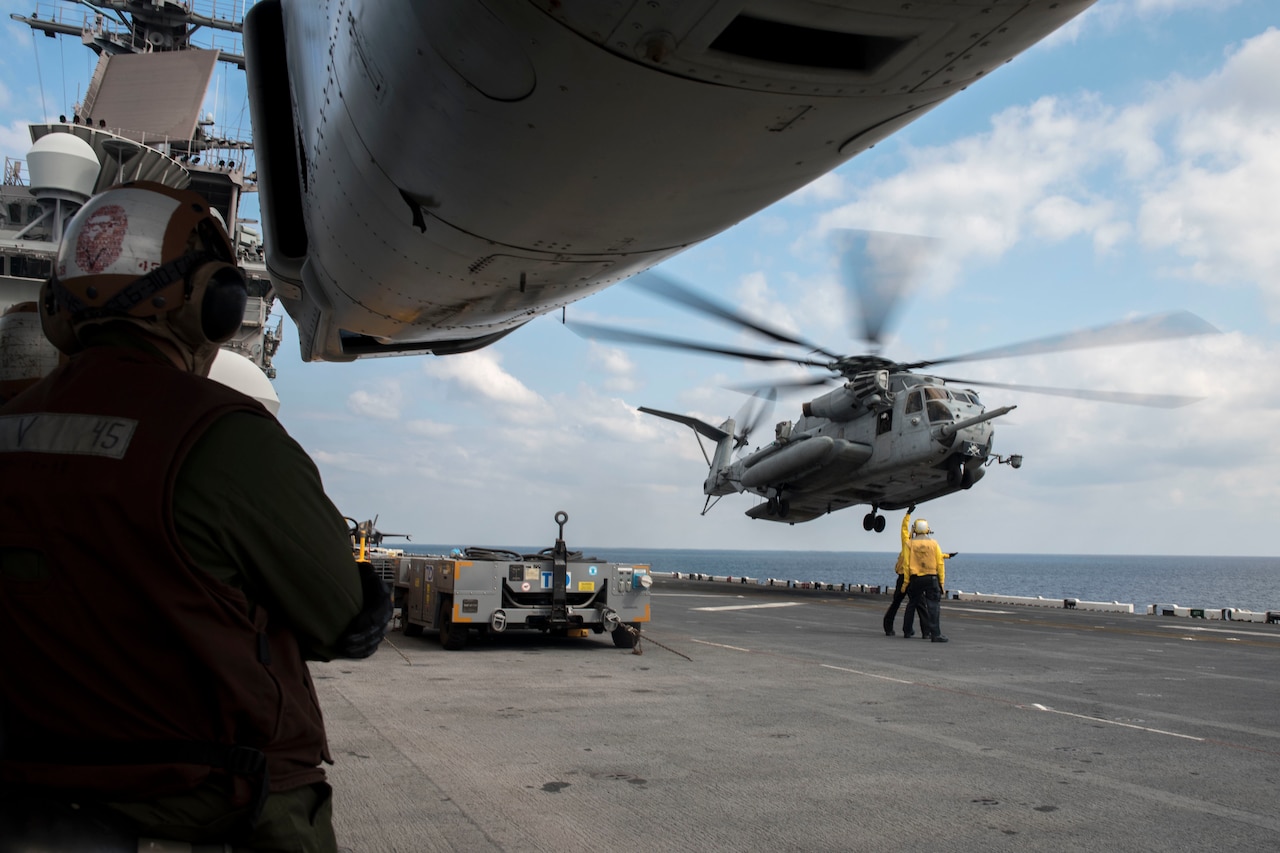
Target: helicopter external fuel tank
pixel 802 457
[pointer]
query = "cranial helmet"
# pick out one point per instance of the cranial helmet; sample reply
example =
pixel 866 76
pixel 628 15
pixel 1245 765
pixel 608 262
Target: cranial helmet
pixel 921 527
pixel 150 255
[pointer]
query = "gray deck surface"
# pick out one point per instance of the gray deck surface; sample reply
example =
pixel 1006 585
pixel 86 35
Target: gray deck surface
pixel 801 727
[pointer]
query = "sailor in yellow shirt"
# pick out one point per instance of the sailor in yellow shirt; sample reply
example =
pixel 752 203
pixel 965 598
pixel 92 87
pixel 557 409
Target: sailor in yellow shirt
pixel 924 572
pixel 900 587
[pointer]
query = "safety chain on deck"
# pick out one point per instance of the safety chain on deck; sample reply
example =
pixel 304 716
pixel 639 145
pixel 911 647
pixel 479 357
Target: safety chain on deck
pixel 387 640
pixel 637 650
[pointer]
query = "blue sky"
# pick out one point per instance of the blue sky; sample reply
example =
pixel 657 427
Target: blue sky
pixel 1128 165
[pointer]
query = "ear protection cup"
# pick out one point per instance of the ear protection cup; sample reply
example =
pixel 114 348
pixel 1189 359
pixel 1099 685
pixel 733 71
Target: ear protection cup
pixel 222 306
pixel 55 322
pixel 214 307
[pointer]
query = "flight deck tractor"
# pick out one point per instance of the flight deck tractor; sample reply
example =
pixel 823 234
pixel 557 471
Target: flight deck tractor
pixel 491 590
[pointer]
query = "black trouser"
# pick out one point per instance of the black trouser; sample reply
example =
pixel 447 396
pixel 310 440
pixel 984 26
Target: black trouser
pixel 924 594
pixel 909 620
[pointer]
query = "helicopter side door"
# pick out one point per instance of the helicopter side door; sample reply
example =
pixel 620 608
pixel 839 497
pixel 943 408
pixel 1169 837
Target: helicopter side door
pixel 912 439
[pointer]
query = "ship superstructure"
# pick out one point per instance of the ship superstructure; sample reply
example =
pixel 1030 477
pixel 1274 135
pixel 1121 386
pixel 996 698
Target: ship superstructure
pixel 140 118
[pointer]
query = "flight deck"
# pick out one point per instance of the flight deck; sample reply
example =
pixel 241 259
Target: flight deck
pixel 761 718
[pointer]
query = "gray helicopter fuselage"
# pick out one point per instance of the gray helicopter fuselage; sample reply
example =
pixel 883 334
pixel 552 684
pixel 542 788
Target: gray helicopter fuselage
pixel 434 175
pixel 904 449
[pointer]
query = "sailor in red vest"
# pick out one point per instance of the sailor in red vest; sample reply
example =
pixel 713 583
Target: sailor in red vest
pixel 168 559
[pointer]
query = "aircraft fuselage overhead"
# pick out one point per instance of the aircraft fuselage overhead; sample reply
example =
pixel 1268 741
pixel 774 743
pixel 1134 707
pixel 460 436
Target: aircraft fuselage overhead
pixel 434 175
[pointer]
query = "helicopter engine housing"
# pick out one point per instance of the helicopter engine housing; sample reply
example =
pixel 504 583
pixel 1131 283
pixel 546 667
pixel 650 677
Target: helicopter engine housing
pixel 864 392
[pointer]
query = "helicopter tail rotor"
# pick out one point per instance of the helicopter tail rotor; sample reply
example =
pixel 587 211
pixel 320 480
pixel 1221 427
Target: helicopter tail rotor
pixel 758 408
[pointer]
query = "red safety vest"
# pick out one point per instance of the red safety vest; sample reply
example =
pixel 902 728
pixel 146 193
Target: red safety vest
pixel 127 670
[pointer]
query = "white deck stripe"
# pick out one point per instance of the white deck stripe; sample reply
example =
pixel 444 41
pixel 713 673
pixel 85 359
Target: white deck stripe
pixel 750 606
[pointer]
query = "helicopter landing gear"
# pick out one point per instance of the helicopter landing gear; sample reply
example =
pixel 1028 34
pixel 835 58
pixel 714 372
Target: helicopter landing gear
pixel 873 521
pixel 779 506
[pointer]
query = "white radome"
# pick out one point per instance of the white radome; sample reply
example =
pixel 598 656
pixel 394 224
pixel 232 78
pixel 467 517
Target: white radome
pixel 237 372
pixel 64 166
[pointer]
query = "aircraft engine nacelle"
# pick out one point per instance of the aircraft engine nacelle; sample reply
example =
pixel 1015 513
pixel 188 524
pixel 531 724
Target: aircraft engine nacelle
pixel 866 391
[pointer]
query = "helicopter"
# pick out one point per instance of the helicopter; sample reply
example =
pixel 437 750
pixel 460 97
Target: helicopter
pixel 888 436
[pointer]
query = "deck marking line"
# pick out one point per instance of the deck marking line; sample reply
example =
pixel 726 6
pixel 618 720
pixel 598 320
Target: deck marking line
pixel 1038 707
pixel 721 645
pixel 1233 631
pixel 749 606
pixel 867 674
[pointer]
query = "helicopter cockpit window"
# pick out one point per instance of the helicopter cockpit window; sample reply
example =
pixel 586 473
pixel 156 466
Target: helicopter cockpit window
pixel 939 412
pixel 933 392
pixel 913 403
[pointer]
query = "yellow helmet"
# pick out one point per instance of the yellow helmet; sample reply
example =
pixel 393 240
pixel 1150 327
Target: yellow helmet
pixel 148 254
pixel 920 527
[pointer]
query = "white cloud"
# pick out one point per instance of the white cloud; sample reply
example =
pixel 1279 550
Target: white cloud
pixel 1215 205
pixel 979 191
pixel 15 140
pixel 1193 170
pixel 381 399
pixel 614 362
pixel 479 377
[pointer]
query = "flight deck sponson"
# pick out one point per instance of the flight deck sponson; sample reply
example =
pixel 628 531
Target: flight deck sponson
pixel 211 681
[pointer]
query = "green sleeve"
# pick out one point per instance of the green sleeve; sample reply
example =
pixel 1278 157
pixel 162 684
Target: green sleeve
pixel 250 509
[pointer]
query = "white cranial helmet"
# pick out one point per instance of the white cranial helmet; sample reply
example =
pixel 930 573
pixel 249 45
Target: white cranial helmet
pixel 921 527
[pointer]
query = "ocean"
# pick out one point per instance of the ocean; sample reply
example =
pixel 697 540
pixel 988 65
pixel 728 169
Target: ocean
pixel 1247 583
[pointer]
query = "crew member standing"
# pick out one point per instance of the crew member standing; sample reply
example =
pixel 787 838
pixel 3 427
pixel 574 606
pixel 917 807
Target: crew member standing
pixel 923 573
pixel 168 559
pixel 900 588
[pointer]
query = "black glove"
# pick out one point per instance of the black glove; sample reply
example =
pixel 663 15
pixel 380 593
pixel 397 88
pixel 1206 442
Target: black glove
pixel 362 636
pixel 911 510
pixel 952 554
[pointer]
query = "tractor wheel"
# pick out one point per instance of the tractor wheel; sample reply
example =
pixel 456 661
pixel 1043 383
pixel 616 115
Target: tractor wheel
pixel 452 636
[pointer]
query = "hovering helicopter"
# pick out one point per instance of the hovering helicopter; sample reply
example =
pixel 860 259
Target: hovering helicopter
pixel 888 437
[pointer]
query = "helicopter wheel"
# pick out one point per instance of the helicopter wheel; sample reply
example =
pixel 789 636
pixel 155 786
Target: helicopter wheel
pixel 879 524
pixel 869 522
pixel 772 506
pixel 784 508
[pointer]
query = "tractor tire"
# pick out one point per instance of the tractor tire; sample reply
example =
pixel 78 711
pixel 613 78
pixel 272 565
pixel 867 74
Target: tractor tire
pixel 452 636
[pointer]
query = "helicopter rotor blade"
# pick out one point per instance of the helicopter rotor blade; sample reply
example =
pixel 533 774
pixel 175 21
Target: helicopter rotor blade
pixel 626 336
pixel 879 269
pixel 784 385
pixel 673 291
pixel 1128 398
pixel 1173 324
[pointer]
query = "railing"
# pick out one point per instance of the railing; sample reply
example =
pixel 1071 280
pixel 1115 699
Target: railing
pixel 97 25
pixel 13 172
